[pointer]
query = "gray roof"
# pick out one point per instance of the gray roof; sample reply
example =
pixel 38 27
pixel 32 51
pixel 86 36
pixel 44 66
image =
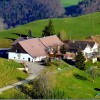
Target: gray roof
pixel 80 45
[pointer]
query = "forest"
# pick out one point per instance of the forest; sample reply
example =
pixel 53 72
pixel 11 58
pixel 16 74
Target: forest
pixel 19 12
pixel 83 7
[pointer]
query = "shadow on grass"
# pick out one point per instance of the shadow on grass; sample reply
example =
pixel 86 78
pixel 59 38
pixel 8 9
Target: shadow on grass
pixel 70 62
pixel 20 78
pixel 97 89
pixel 11 39
pixel 22 35
pixel 80 77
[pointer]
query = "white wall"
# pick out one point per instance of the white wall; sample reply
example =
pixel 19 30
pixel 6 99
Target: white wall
pixel 95 47
pixel 88 49
pixel 23 57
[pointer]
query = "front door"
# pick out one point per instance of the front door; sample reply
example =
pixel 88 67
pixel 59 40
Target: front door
pixel 29 59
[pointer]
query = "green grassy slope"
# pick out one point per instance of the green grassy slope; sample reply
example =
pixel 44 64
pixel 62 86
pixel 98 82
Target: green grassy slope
pixel 76 28
pixel 76 84
pixel 5 43
pixel 77 88
pixel 67 3
pixel 8 72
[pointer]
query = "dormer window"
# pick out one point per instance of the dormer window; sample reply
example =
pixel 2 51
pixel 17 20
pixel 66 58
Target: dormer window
pixel 17 50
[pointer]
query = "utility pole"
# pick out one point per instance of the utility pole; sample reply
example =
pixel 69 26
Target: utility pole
pixel 70 37
pixel 93 23
pixel 70 34
pixel 90 26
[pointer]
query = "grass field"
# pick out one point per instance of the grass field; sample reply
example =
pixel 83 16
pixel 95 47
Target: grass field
pixel 67 3
pixel 75 83
pixel 13 94
pixel 76 28
pixel 5 43
pixel 8 72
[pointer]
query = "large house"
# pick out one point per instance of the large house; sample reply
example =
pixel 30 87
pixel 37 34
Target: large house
pixel 89 48
pixel 34 49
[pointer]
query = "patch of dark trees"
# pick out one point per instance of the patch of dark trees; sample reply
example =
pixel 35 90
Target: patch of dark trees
pixel 83 7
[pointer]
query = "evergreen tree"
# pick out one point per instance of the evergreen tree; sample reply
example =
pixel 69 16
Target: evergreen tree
pixel 80 61
pixel 45 32
pixel 30 33
pixel 49 29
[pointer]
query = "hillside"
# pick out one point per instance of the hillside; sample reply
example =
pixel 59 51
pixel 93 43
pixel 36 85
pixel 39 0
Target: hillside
pixel 76 28
pixel 67 82
pixel 18 12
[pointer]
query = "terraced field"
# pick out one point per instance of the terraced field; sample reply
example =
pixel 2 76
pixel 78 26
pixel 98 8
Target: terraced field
pixel 8 72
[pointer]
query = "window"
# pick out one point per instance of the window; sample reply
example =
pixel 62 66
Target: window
pixel 17 50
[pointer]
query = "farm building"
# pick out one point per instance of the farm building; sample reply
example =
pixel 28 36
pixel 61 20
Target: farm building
pixel 34 49
pixel 89 48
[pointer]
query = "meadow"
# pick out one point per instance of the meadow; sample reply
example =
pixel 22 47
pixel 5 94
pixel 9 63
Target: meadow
pixel 73 82
pixel 76 28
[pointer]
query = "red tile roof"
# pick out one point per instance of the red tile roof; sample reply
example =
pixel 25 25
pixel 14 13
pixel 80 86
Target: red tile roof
pixel 51 41
pixel 38 46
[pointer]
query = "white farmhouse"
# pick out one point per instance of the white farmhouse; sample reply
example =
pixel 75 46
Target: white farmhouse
pixel 34 49
pixel 89 48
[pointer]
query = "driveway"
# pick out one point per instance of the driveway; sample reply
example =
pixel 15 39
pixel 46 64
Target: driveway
pixel 34 68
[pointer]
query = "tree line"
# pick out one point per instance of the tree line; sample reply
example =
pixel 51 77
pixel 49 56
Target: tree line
pixel 83 7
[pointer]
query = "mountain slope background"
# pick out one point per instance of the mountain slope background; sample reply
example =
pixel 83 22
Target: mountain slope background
pixel 18 12
pixel 89 6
